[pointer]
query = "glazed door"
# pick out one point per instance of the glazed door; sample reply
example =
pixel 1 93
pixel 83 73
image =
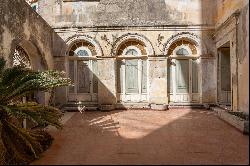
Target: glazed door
pixel 132 76
pixel 85 83
pixel 183 81
pixel 132 80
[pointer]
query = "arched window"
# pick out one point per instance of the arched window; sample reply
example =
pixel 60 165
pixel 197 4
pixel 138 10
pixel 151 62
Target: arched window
pixel 132 72
pixel 132 52
pixel 182 51
pixel 82 49
pixel 82 70
pixel 182 47
pixel 83 52
pixel 183 72
pixel 21 58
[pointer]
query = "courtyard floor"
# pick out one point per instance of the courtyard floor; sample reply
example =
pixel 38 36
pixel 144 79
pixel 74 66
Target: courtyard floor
pixel 180 136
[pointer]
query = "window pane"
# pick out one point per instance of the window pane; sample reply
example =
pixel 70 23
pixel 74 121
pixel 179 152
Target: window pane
pixel 144 76
pixel 132 52
pixel 182 51
pixel 82 53
pixel 95 78
pixel 120 76
pixel 195 81
pixel 182 76
pixel 83 77
pixel 71 76
pixel 170 78
pixel 132 76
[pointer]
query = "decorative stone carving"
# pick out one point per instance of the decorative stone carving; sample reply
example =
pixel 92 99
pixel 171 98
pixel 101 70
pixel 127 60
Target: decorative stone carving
pixel 20 58
pixel 73 39
pixel 201 47
pixel 129 36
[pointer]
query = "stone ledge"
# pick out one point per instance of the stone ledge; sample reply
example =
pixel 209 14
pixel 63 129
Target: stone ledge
pixel 161 107
pixel 106 107
pixel 237 122
pixel 132 106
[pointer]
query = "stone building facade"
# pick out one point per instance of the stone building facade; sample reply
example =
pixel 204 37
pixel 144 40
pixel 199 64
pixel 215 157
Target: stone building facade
pixel 150 54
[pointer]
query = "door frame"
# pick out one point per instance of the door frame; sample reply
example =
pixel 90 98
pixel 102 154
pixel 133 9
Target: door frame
pixel 219 77
pixel 132 97
pixel 93 97
pixel 193 98
pixel 140 96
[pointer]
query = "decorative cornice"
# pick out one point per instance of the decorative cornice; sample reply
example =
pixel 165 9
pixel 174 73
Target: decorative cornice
pixel 140 28
pixel 235 15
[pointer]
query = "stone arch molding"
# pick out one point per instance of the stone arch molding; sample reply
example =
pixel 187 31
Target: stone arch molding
pixel 37 60
pixel 200 45
pixel 148 45
pixel 71 40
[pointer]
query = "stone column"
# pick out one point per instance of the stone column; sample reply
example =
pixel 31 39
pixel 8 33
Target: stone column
pixel 106 84
pixel 158 95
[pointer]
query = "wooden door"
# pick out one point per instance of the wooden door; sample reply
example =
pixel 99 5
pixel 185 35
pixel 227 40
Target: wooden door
pixel 182 81
pixel 132 76
pixel 132 80
pixel 83 77
pixel 83 74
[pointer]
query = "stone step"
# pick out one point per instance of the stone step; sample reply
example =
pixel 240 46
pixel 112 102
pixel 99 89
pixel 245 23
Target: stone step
pixel 71 107
pixel 179 106
pixel 216 109
pixel 132 106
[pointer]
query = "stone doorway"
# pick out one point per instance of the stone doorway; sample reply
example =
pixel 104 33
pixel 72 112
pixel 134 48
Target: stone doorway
pixel 224 75
pixel 82 69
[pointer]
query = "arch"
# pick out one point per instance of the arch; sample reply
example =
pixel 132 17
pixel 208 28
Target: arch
pixel 190 37
pixel 21 57
pixel 76 38
pixel 132 37
pixel 177 48
pixel 37 61
pixel 183 51
pixel 129 48
pixel 83 51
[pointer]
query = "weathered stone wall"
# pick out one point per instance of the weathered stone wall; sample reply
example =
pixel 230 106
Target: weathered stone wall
pixel 61 13
pixel 157 60
pixel 225 8
pixel 243 62
pixel 114 19
pixel 234 29
pixel 20 25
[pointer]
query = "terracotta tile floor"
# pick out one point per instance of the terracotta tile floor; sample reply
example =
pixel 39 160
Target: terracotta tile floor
pixel 147 137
